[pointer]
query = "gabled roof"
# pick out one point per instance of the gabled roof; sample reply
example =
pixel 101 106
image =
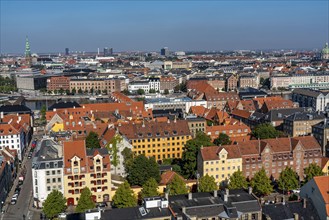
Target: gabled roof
pixel 72 149
pixel 168 176
pixel 322 183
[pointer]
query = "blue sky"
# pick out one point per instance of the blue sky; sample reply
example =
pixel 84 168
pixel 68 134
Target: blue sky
pixel 149 25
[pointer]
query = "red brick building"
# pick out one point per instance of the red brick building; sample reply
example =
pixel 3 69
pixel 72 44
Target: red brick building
pixel 58 82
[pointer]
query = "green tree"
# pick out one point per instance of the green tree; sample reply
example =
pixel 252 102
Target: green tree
pixel 80 91
pixel 126 92
pixel 43 114
pixel 237 181
pixel 105 91
pixel 311 171
pixel 177 186
pixel 67 92
pixel 112 146
pixel 141 169
pixel 150 188
pixel 92 140
pixel 74 91
pixel 261 184
pixel 85 201
pixel 189 157
pixel 223 139
pixel 264 131
pixel 166 91
pixel 127 158
pixel 61 91
pixel 124 196
pixel 50 92
pixel 140 92
pixel 288 180
pixel 152 91
pixel 207 184
pixel 54 204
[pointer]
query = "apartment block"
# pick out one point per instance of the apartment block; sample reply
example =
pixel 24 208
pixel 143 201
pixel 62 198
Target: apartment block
pixel 86 168
pixel 58 82
pixel 320 132
pixel 219 162
pixel 157 139
pixel 300 123
pixel 47 170
pixel 316 99
pixel 108 85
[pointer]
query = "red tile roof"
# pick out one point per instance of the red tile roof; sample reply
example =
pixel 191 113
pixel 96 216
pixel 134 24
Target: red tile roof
pixel 168 176
pixel 323 184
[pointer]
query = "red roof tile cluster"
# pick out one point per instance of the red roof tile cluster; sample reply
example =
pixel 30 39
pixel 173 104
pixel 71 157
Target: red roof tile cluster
pixel 211 153
pixel 155 129
pixel 168 176
pixel 277 145
pixel 323 184
pixel 119 97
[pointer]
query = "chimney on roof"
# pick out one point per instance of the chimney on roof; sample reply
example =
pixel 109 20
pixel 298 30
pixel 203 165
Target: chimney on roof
pixel 304 203
pixel 54 109
pixel 167 196
pixel 296 216
pixel 168 121
pixel 190 196
pixel 215 193
pixel 249 189
pixel 184 209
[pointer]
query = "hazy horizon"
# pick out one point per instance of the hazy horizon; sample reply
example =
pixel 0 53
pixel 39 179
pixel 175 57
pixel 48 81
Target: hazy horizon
pixel 148 26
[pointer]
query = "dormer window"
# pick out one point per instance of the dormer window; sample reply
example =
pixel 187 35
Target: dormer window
pixel 157 134
pixel 98 161
pixel 10 130
pixel 149 134
pixel 166 132
pixel 174 132
pixel 75 163
pixel 140 135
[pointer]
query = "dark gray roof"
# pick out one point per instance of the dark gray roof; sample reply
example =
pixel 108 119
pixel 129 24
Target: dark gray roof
pixel 60 105
pixel 102 151
pixel 134 213
pixel 238 201
pixel 303 116
pixel 280 114
pixel 322 125
pixel 309 92
pixel 21 109
pixel 281 212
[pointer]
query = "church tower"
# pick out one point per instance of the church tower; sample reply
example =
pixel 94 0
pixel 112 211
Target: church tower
pixel 28 58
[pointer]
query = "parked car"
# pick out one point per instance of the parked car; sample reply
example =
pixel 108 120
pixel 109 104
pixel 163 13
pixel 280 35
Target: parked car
pixel 296 190
pixel 62 215
pixel 101 206
pixel 29 155
pixel 14 199
pixel 17 190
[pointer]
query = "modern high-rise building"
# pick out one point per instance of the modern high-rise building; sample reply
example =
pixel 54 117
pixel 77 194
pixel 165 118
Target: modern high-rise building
pixel 108 51
pixel 164 51
pixel 67 51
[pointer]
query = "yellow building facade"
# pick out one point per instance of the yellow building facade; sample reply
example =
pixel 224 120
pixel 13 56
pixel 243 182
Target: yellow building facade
pixel 219 162
pixel 86 168
pixel 157 139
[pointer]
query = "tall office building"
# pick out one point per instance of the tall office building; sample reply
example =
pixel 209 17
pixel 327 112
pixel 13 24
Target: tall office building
pixel 164 51
pixel 67 51
pixel 108 51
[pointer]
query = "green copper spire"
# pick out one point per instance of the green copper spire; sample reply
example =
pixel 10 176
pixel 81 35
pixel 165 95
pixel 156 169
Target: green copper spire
pixel 27 48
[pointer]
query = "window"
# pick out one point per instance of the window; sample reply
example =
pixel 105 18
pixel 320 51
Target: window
pixel 47 173
pixel 48 180
pixel 48 188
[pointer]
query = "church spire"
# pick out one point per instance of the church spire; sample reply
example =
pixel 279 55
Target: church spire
pixel 27 48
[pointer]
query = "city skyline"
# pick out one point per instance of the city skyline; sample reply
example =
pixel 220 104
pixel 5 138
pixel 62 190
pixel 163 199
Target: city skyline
pixel 148 26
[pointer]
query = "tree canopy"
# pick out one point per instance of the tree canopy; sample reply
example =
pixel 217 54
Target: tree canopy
pixel 177 186
pixel 207 184
pixel 54 204
pixel 85 201
pixel 266 130
pixel 288 179
pixel 140 92
pixel 311 171
pixel 124 196
pixel 237 181
pixel 261 184
pixel 142 169
pixel 223 139
pixel 92 140
pixel 150 188
pixel 127 158
pixel 189 157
